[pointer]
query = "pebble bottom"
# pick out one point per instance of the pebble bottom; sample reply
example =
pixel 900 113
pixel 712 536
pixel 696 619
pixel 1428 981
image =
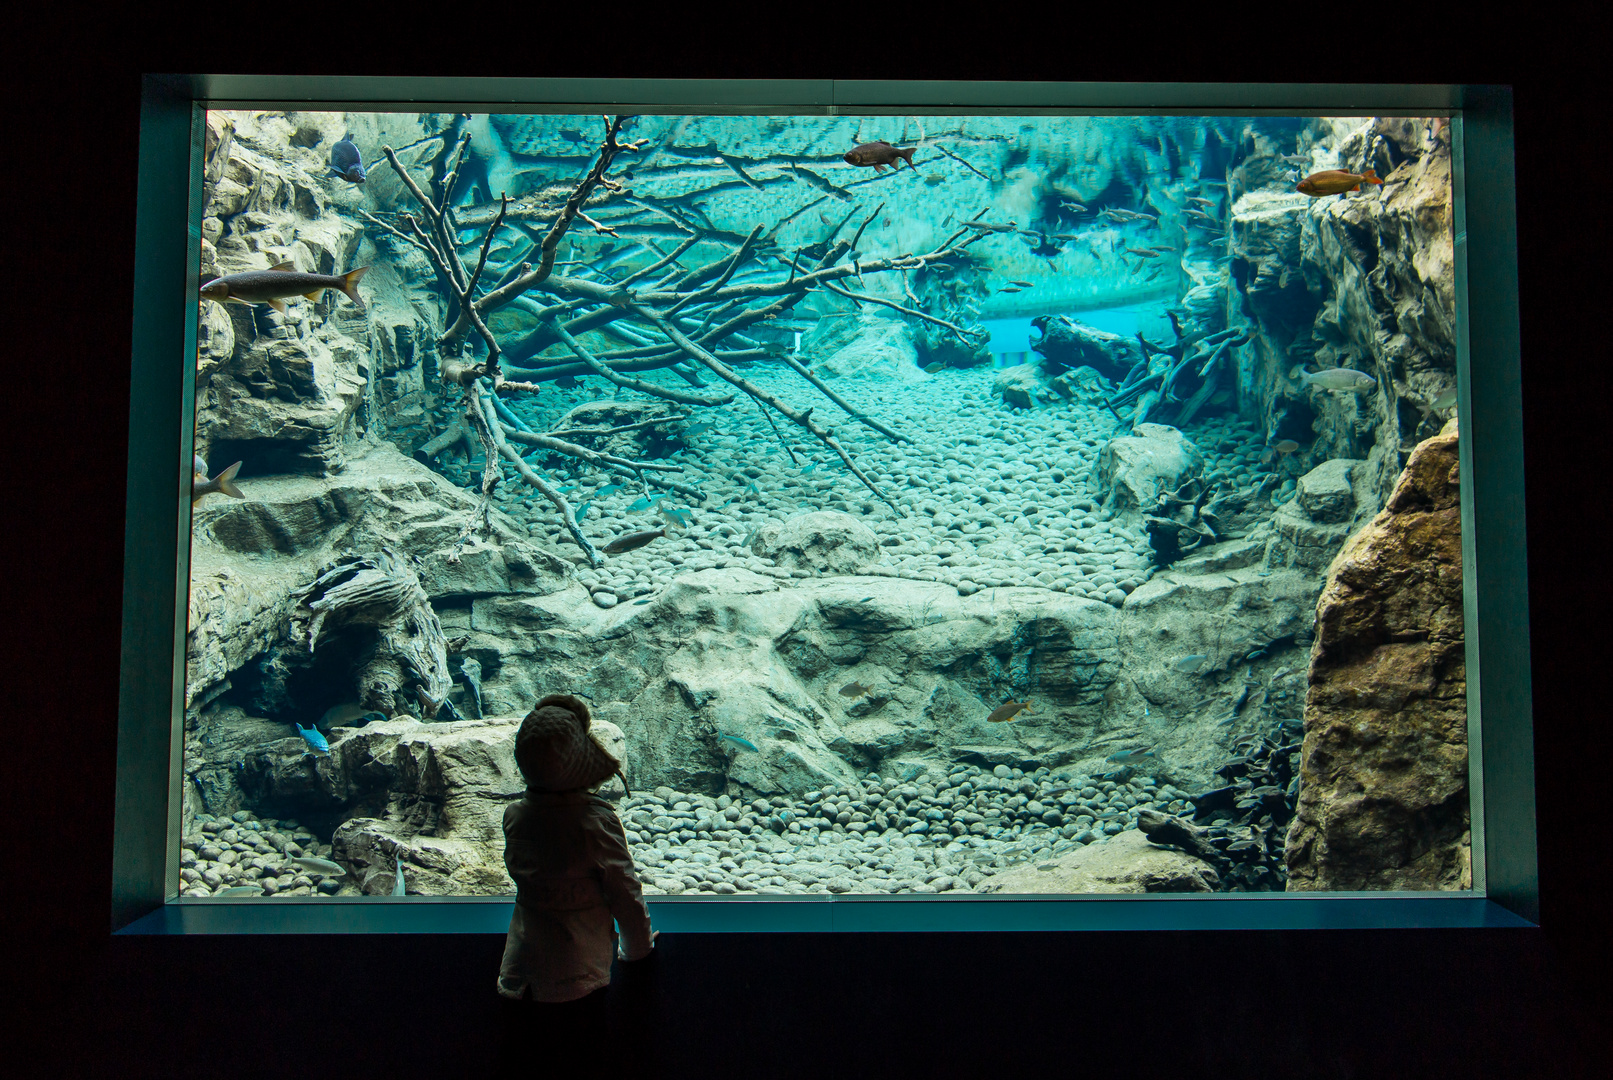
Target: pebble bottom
pixel 989 496
pixel 934 833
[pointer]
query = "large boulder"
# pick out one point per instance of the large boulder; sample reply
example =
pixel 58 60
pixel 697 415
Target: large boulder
pixel 1383 801
pixel 867 347
pixel 1137 469
pixel 1125 863
pixel 824 541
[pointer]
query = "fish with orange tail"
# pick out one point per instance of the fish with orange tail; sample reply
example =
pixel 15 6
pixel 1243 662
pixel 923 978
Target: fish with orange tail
pixel 879 154
pixel 1335 182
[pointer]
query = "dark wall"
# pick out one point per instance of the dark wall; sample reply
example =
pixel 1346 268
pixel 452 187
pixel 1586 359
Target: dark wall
pixel 1291 1004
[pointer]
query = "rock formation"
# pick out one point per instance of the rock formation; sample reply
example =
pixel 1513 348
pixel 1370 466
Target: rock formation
pixel 1383 800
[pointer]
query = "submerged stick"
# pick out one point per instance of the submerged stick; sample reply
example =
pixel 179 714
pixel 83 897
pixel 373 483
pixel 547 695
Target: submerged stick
pixel 804 420
pixel 531 477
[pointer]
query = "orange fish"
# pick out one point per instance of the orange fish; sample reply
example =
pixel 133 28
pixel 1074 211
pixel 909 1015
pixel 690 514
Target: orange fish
pixel 1335 182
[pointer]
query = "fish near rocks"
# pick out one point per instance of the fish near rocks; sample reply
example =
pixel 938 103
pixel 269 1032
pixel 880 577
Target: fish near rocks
pixel 312 736
pixel 1009 711
pixel 1336 379
pixel 322 867
pixel 1335 182
pixel 879 154
pixel 280 281
pixel 633 541
pixel 346 162
pixel 223 483
pixel 854 689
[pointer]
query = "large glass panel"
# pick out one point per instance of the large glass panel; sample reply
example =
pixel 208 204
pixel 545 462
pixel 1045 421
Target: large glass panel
pixel 967 505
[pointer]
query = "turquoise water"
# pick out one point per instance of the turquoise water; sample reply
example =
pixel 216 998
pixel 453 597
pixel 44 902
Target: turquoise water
pixel 801 658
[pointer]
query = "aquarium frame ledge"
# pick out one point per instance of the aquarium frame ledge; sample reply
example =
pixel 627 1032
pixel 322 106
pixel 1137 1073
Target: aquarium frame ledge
pixel 145 872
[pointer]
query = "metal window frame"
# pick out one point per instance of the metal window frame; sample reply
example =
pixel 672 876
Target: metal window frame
pixel 161 428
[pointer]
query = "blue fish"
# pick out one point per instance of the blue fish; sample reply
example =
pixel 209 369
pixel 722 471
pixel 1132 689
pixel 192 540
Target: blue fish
pixel 397 886
pixel 580 511
pixel 346 163
pixel 746 743
pixel 644 502
pixel 1190 664
pixel 810 468
pixel 313 738
pixel 565 489
pixel 608 489
pixel 1128 757
pixel 752 489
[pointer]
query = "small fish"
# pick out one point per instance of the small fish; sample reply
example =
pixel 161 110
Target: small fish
pixel 346 163
pixel 879 154
pixel 568 487
pixel 752 489
pixel 643 502
pixel 1447 400
pixel 632 541
pixel 608 489
pixel 1335 379
pixel 1009 711
pixel 224 482
pixel 569 382
pixel 1009 289
pixel 866 599
pixel 323 867
pixel 580 511
pixel 1286 446
pixel 1202 202
pixel 1023 284
pixel 1072 207
pixel 242 890
pixel 1335 182
pixel 812 468
pixel 746 743
pixel 398 888
pixel 646 600
pixel 1128 757
pixel 313 738
pixel 697 429
pixel 1189 664
pixel 1143 253
pixel 991 226
pixel 280 281
pixel 931 369
pixel 680 517
pixel 825 219
pixel 854 689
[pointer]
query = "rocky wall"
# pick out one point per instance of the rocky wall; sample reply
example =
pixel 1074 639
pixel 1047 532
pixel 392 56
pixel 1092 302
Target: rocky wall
pixel 1383 800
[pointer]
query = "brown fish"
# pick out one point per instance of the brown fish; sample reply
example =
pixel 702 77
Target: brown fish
pixel 1143 253
pixel 1335 182
pixel 568 382
pixel 879 154
pixel 633 540
pixel 224 482
pixel 1009 711
pixel 854 689
pixel 273 285
pixel 1023 284
pixel 1010 289
pixel 1287 446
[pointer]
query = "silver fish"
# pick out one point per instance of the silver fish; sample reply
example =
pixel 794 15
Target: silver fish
pixel 1338 379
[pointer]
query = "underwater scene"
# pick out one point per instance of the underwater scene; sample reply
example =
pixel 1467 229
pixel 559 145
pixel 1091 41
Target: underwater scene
pixel 923 504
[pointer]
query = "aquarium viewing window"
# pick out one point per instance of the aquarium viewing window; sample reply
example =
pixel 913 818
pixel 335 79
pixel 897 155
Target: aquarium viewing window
pixel 962 506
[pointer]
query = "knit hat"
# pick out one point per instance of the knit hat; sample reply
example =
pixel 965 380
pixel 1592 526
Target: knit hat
pixel 554 750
